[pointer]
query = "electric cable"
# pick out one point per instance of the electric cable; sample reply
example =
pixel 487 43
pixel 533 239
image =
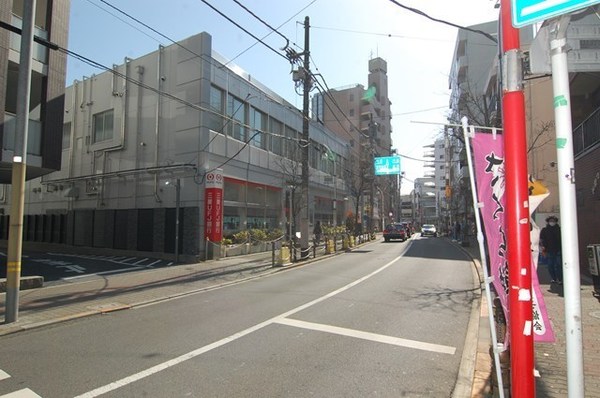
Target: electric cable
pixel 419 12
pixel 268 34
pixel 287 41
pixel 243 29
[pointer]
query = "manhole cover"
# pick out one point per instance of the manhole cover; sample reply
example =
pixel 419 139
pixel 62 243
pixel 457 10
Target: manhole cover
pixel 595 314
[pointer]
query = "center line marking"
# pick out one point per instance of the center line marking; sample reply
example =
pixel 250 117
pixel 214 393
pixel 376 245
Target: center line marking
pixel 380 338
pixel 192 354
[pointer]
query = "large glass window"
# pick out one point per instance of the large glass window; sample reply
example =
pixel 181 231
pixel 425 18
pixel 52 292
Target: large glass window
pixel 236 110
pixel 217 105
pixel 103 126
pixel 291 144
pixel 276 136
pixel 258 123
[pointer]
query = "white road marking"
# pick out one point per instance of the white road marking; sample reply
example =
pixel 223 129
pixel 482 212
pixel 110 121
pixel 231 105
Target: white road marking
pixel 24 393
pixel 115 271
pixel 3 375
pixel 192 354
pixel 141 261
pixel 380 338
pixel 73 268
pixel 151 264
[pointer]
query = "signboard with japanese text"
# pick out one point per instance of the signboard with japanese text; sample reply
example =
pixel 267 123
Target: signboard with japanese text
pixel 488 154
pixel 387 165
pixel 213 206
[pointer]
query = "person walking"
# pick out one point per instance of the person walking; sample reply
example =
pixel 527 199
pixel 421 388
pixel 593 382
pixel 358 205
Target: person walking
pixel 551 247
pixel 317 232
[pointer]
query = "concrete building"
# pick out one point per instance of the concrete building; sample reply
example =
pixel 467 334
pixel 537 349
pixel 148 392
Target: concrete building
pixel 140 140
pixel 47 88
pixel 363 117
pixel 471 58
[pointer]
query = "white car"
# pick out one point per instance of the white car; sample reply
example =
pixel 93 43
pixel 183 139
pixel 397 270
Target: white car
pixel 428 230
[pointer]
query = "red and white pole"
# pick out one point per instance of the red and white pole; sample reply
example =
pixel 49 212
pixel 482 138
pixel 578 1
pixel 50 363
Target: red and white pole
pixel 517 211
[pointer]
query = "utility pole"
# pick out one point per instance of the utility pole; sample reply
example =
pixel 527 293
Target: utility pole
pixel 448 190
pixel 517 211
pixel 15 239
pixel 305 143
pixel 372 129
pixel 568 205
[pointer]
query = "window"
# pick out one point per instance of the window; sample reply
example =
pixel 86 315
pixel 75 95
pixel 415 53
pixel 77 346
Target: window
pixel 215 120
pixel 351 112
pixel 291 143
pixel 66 136
pixel 351 97
pixel 441 156
pixel 441 167
pixel 258 123
pixel 103 126
pixel 236 110
pixel 276 139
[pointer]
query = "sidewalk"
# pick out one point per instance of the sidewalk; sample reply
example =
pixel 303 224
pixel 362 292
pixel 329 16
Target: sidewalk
pixel 97 294
pixel 550 358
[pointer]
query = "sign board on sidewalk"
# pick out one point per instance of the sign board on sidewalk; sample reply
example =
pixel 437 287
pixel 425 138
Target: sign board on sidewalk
pixel 527 12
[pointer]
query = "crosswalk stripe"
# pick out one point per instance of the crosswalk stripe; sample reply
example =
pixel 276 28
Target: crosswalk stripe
pixel 24 393
pixel 3 375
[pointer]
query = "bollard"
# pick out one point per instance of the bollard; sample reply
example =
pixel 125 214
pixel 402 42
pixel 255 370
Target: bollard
pixel 272 254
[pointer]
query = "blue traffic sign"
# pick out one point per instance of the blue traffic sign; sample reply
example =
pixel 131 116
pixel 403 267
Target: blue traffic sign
pixel 387 165
pixel 527 12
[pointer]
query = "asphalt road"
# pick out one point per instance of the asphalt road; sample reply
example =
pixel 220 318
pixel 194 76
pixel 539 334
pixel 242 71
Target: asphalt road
pixel 387 320
pixel 56 267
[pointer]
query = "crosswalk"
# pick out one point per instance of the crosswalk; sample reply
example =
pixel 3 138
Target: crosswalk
pixel 23 393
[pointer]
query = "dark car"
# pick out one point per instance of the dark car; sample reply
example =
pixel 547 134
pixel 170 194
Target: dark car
pixel 394 231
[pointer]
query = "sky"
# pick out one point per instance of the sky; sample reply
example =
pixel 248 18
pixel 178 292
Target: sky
pixel 344 35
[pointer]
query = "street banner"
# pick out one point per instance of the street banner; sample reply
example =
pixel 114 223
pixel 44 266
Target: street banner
pixel 488 154
pixel 213 206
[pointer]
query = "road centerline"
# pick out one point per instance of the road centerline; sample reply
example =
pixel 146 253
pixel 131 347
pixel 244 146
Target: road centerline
pixel 379 338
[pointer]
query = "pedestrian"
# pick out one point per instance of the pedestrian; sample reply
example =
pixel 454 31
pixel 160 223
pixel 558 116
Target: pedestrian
pixel 550 245
pixel 457 231
pixel 317 231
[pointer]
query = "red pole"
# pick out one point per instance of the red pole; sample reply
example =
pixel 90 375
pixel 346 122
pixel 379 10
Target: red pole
pixel 517 212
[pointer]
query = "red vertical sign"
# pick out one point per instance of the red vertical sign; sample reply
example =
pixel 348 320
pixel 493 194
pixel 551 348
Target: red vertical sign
pixel 213 206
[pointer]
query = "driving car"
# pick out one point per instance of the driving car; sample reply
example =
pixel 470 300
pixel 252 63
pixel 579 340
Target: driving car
pixel 394 231
pixel 428 230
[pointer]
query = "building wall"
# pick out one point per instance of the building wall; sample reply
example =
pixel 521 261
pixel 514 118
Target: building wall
pixel 588 203
pixel 119 192
pixel 48 85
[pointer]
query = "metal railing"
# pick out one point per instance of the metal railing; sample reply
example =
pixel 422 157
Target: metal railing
pixel 587 134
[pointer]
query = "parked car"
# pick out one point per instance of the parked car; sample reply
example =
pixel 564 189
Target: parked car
pixel 428 230
pixel 394 231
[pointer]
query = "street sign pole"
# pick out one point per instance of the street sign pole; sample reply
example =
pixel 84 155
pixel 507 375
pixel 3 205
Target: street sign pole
pixel 517 211
pixel 568 208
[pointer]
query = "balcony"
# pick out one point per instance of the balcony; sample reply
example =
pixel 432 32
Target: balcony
pixel 587 134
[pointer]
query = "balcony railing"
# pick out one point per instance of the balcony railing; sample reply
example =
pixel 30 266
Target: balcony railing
pixel 34 135
pixel 587 134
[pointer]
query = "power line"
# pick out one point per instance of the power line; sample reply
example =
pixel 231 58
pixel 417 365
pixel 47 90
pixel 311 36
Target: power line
pixel 268 34
pixel 243 29
pixel 390 35
pixel 287 41
pixel 419 12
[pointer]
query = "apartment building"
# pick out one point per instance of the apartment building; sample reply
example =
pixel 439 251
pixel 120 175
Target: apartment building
pixel 362 116
pixel 47 88
pixel 471 58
